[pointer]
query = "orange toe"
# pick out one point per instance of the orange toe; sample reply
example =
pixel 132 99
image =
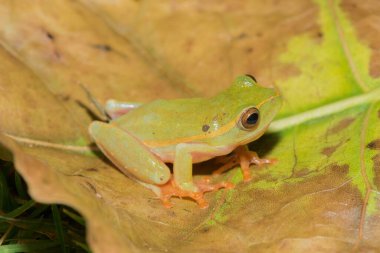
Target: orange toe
pixel 170 189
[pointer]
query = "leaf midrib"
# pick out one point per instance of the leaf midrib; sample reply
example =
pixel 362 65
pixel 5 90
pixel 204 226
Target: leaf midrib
pixel 325 110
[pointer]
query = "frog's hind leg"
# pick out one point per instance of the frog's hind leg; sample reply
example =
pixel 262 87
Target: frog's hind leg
pixel 116 109
pixel 130 155
pixel 244 157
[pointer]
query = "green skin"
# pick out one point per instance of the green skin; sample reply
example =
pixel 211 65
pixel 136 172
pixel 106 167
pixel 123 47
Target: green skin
pixel 182 131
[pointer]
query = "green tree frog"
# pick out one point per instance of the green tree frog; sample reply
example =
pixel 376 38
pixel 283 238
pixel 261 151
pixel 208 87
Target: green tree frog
pixel 141 139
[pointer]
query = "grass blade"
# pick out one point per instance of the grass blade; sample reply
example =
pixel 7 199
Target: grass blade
pixel 58 226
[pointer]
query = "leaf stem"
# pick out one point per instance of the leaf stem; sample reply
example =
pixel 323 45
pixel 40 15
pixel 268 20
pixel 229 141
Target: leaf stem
pixel 323 111
pixel 32 142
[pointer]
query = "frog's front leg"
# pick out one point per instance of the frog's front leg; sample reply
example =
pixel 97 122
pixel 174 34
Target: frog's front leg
pixel 182 184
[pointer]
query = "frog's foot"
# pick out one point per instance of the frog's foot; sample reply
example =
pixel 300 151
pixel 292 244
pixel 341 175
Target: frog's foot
pixel 171 189
pixel 243 157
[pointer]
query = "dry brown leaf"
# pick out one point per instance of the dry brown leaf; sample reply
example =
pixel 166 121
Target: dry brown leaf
pixel 323 56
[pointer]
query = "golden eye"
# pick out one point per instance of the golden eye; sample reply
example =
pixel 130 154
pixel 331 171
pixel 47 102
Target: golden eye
pixel 249 118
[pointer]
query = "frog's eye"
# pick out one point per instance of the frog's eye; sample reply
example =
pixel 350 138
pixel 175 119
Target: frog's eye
pixel 253 78
pixel 249 119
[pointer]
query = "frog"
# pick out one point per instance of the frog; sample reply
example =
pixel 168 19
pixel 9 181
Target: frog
pixel 142 140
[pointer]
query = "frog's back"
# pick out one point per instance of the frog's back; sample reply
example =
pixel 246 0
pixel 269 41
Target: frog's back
pixel 164 119
pixel 169 120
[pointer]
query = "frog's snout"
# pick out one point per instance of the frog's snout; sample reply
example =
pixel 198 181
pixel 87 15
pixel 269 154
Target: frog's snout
pixel 277 101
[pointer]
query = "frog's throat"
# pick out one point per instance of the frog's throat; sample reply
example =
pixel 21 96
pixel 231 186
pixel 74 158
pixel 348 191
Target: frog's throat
pixel 227 127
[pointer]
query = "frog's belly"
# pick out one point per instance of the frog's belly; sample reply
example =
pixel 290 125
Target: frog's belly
pixel 167 154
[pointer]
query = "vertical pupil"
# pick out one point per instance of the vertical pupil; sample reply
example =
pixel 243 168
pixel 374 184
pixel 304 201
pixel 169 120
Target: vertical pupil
pixel 252 119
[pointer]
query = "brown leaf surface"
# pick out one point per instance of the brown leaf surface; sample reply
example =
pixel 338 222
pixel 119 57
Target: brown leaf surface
pixel 321 196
